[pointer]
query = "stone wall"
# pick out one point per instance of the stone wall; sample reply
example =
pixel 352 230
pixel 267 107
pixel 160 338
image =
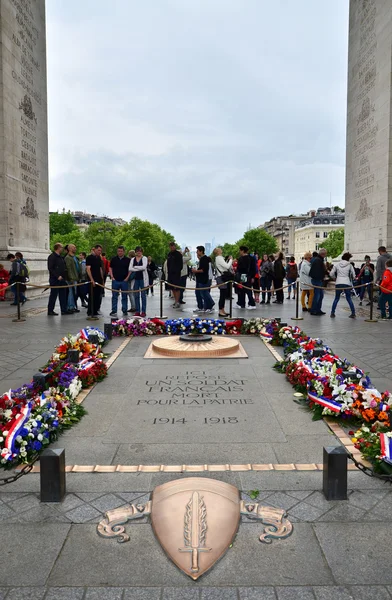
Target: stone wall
pixel 368 185
pixel 24 201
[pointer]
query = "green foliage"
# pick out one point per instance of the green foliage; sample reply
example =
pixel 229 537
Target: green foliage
pixel 253 494
pixel 334 244
pixel 256 239
pixel 230 250
pixel 153 239
pixel 63 229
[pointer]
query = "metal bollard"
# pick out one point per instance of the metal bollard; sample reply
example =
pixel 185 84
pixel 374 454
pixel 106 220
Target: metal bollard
pixel 161 315
pixel 18 319
pixel 73 356
pixel 370 319
pixel 297 317
pixel 230 299
pixel 108 330
pixel 52 475
pixel 335 473
pixel 40 379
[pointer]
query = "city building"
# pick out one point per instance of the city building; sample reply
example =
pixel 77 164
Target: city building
pixel 83 219
pixel 208 248
pixel 283 230
pixel 311 233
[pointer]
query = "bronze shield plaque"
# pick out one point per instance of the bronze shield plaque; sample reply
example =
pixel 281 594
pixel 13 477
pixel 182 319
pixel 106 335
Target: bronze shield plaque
pixel 195 521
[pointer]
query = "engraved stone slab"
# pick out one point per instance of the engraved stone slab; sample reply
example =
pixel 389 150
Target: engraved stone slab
pixel 368 187
pixel 24 202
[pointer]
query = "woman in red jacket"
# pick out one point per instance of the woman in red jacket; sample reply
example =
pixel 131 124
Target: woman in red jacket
pixel 4 277
pixel 386 291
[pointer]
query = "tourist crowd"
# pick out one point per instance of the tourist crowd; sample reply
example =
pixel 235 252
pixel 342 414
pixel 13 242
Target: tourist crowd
pixel 255 279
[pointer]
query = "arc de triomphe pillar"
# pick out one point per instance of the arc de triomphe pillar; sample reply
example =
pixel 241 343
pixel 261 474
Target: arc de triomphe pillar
pixel 24 201
pixel 369 150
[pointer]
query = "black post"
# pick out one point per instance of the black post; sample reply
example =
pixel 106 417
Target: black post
pixel 91 300
pixel 40 379
pixel 231 299
pixel 297 317
pixel 370 319
pixel 18 319
pixel 335 473
pixel 73 356
pixel 108 330
pixel 52 475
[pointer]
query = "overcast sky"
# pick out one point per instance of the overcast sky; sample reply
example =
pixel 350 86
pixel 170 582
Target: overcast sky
pixel 204 116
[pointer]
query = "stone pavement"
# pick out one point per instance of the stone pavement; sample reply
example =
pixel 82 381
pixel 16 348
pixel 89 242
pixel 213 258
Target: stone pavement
pixel 337 551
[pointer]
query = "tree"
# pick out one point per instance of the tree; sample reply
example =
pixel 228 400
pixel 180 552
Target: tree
pixel 103 233
pixel 259 241
pixel 63 230
pixel 230 250
pixel 61 223
pixel 334 244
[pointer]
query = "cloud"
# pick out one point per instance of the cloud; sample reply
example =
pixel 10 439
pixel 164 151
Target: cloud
pixel 203 117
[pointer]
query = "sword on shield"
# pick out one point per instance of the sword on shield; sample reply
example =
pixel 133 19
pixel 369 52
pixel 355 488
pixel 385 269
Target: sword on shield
pixel 195 529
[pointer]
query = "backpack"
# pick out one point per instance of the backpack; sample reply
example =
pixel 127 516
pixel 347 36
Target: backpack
pixel 23 271
pixel 292 271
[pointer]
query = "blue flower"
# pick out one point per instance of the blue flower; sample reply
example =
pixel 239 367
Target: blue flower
pixel 37 446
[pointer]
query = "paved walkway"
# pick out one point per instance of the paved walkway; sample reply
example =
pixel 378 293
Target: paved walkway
pixel 337 550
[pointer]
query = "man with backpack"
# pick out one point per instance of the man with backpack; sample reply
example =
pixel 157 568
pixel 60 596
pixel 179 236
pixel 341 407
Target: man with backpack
pixel 291 276
pixel 18 274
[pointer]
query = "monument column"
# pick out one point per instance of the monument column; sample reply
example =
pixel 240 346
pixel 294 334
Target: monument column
pixel 24 200
pixel 368 183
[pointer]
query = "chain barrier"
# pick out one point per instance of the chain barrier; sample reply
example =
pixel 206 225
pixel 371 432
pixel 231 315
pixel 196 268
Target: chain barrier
pixel 24 471
pixel 369 471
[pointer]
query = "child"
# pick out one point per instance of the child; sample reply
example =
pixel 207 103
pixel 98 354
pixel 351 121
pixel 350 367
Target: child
pixel 386 291
pixel 4 276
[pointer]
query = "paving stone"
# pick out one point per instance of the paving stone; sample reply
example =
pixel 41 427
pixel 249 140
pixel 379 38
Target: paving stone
pixel 38 545
pixel 370 592
pixel 257 593
pixel 107 502
pixel 88 496
pixel 142 594
pixel 280 500
pixel 305 512
pixel 343 512
pixel 364 500
pixel 333 593
pixel 130 496
pixel 70 501
pixel 340 543
pixel 25 503
pixel 6 512
pixel 318 500
pixel 39 514
pixel 65 594
pixel 26 593
pixel 300 495
pixel 103 593
pixel 180 594
pixel 218 594
pixel 83 514
pixel 294 593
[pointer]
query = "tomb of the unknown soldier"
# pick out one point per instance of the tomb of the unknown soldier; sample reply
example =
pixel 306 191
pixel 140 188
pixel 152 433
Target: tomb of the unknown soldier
pixel 178 453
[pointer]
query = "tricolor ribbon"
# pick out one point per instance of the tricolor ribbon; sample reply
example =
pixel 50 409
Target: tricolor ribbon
pixel 327 402
pixel 267 335
pixel 84 334
pixel 386 448
pixel 17 427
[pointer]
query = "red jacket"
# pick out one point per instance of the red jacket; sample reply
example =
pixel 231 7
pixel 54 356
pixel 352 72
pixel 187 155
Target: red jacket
pixel 386 282
pixel 4 275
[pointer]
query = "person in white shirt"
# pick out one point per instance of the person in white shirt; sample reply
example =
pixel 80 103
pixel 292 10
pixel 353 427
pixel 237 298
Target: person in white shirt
pixel 345 275
pixel 221 267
